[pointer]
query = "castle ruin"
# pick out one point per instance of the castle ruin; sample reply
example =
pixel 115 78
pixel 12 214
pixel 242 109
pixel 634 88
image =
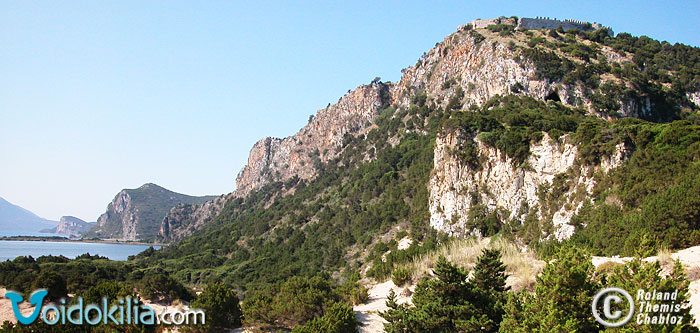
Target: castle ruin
pixel 541 23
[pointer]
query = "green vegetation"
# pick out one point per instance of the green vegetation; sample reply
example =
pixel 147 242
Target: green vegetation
pixel 657 190
pixel 511 123
pixel 561 301
pixel 450 302
pixel 291 303
pixel 660 74
pixel 220 303
pixel 564 290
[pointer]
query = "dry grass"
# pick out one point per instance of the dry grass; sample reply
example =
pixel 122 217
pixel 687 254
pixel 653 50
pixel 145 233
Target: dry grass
pixel 521 267
pixel 665 259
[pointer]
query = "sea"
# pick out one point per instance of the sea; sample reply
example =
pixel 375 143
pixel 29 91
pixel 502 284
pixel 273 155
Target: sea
pixel 10 249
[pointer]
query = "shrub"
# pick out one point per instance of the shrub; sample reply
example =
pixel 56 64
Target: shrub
pixel 53 282
pixel 450 303
pixel 401 276
pixel 220 303
pixel 359 295
pixel 340 318
pixel 562 298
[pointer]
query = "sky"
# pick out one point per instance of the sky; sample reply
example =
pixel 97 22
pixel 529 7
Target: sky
pixel 97 96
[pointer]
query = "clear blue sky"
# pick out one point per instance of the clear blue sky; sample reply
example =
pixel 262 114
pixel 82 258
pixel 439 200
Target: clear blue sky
pixel 96 96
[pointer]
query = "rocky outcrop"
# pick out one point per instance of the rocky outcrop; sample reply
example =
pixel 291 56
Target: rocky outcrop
pixel 184 219
pixel 136 214
pixel 71 226
pixel 497 183
pixel 275 159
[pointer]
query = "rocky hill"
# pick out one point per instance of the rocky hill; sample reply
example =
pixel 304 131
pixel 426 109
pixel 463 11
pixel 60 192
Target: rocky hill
pixel 136 214
pixel 483 59
pixel 71 226
pixel 545 136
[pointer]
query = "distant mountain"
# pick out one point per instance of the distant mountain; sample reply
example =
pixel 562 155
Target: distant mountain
pixel 15 220
pixel 70 225
pixel 136 214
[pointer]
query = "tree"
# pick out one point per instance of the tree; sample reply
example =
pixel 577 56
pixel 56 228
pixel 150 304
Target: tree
pixel 636 275
pixel 450 303
pixel 53 282
pixel 562 298
pixel 489 282
pixel 220 304
pixel 339 318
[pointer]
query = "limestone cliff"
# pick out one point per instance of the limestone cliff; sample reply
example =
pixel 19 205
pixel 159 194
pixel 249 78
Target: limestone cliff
pixel 136 214
pixel 183 219
pixel 273 159
pixel 71 226
pixel 456 187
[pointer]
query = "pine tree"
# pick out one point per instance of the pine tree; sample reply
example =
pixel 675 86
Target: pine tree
pixel 489 281
pixel 490 272
pixel 450 303
pixel 562 298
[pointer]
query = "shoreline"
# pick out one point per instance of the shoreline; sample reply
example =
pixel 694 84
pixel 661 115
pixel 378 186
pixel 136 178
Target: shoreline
pixel 64 239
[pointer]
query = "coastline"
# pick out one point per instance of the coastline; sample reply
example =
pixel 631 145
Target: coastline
pixel 64 239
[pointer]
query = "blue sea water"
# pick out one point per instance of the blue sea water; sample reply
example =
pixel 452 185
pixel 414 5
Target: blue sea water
pixel 13 249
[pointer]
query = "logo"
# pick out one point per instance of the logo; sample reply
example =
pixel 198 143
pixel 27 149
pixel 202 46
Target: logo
pixel 655 307
pixel 611 295
pixel 36 299
pixel 125 311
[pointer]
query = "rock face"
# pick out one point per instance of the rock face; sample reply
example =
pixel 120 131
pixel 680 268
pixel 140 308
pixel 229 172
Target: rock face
pixel 71 226
pixel 183 219
pixel 275 159
pixel 136 214
pixel 498 184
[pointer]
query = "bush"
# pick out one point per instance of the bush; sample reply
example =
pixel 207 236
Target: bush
pixel 54 283
pixel 562 298
pixel 359 295
pixel 220 304
pixel 292 303
pixel 401 276
pixel 340 318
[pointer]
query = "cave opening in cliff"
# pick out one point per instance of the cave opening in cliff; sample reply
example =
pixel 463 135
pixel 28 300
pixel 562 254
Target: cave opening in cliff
pixel 553 96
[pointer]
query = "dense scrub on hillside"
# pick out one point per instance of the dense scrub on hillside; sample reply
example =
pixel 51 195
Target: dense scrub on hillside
pixel 652 199
pixel 658 73
pixel 269 237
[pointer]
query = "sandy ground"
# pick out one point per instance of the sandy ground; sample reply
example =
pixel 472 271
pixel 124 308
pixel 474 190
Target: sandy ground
pixel 367 314
pixel 6 312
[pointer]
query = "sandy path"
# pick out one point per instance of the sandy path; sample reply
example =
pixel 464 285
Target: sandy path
pixel 367 314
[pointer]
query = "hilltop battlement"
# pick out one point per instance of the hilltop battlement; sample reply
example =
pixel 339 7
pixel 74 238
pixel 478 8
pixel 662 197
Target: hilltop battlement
pixel 541 22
